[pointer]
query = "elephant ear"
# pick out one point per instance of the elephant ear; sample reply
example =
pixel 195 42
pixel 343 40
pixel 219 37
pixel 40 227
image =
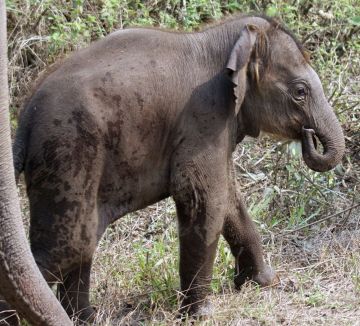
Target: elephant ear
pixel 238 62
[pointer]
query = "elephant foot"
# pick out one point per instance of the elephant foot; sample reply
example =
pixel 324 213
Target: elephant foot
pixel 264 277
pixel 199 310
pixel 8 315
pixel 85 316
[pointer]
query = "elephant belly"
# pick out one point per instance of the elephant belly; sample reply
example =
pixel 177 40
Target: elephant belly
pixel 125 188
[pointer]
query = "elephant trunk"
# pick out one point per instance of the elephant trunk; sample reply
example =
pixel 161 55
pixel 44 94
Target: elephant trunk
pixel 21 282
pixel 331 137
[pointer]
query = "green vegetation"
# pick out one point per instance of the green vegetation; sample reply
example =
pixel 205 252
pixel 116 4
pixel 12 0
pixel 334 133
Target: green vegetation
pixel 135 272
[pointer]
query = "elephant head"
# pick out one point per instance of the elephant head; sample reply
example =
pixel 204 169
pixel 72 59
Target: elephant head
pixel 21 282
pixel 282 94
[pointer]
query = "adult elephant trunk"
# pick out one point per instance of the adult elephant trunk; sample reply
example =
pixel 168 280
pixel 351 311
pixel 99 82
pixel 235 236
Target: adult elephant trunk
pixel 327 128
pixel 21 282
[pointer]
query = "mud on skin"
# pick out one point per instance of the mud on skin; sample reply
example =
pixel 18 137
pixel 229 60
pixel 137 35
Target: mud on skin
pixel 161 118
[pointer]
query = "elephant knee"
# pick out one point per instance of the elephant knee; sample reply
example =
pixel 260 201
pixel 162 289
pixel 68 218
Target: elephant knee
pixel 47 267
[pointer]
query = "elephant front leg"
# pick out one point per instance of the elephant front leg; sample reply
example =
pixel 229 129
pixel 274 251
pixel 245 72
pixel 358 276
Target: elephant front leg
pixel 201 209
pixel 244 240
pixel 197 254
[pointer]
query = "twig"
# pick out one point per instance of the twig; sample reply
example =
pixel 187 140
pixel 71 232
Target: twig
pixel 349 108
pixel 34 26
pixel 314 184
pixel 321 220
pixel 332 94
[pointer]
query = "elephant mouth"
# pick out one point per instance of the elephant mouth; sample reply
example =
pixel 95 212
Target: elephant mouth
pixel 277 136
pixel 314 137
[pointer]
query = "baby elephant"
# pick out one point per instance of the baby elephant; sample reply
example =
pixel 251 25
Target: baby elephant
pixel 145 114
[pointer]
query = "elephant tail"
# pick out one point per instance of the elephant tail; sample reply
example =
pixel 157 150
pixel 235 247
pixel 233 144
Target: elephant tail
pixel 19 154
pixel 20 144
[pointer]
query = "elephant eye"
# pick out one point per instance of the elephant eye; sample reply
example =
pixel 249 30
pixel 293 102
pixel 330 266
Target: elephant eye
pixel 300 92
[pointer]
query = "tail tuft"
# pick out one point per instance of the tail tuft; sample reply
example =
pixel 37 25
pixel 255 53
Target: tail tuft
pixel 18 156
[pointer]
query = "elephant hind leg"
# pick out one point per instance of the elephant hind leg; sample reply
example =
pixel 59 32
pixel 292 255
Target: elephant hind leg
pixel 8 315
pixel 72 278
pixel 74 293
pixel 64 253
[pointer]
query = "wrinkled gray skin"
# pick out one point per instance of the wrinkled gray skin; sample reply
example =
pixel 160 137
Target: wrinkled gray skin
pixel 21 283
pixel 144 114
